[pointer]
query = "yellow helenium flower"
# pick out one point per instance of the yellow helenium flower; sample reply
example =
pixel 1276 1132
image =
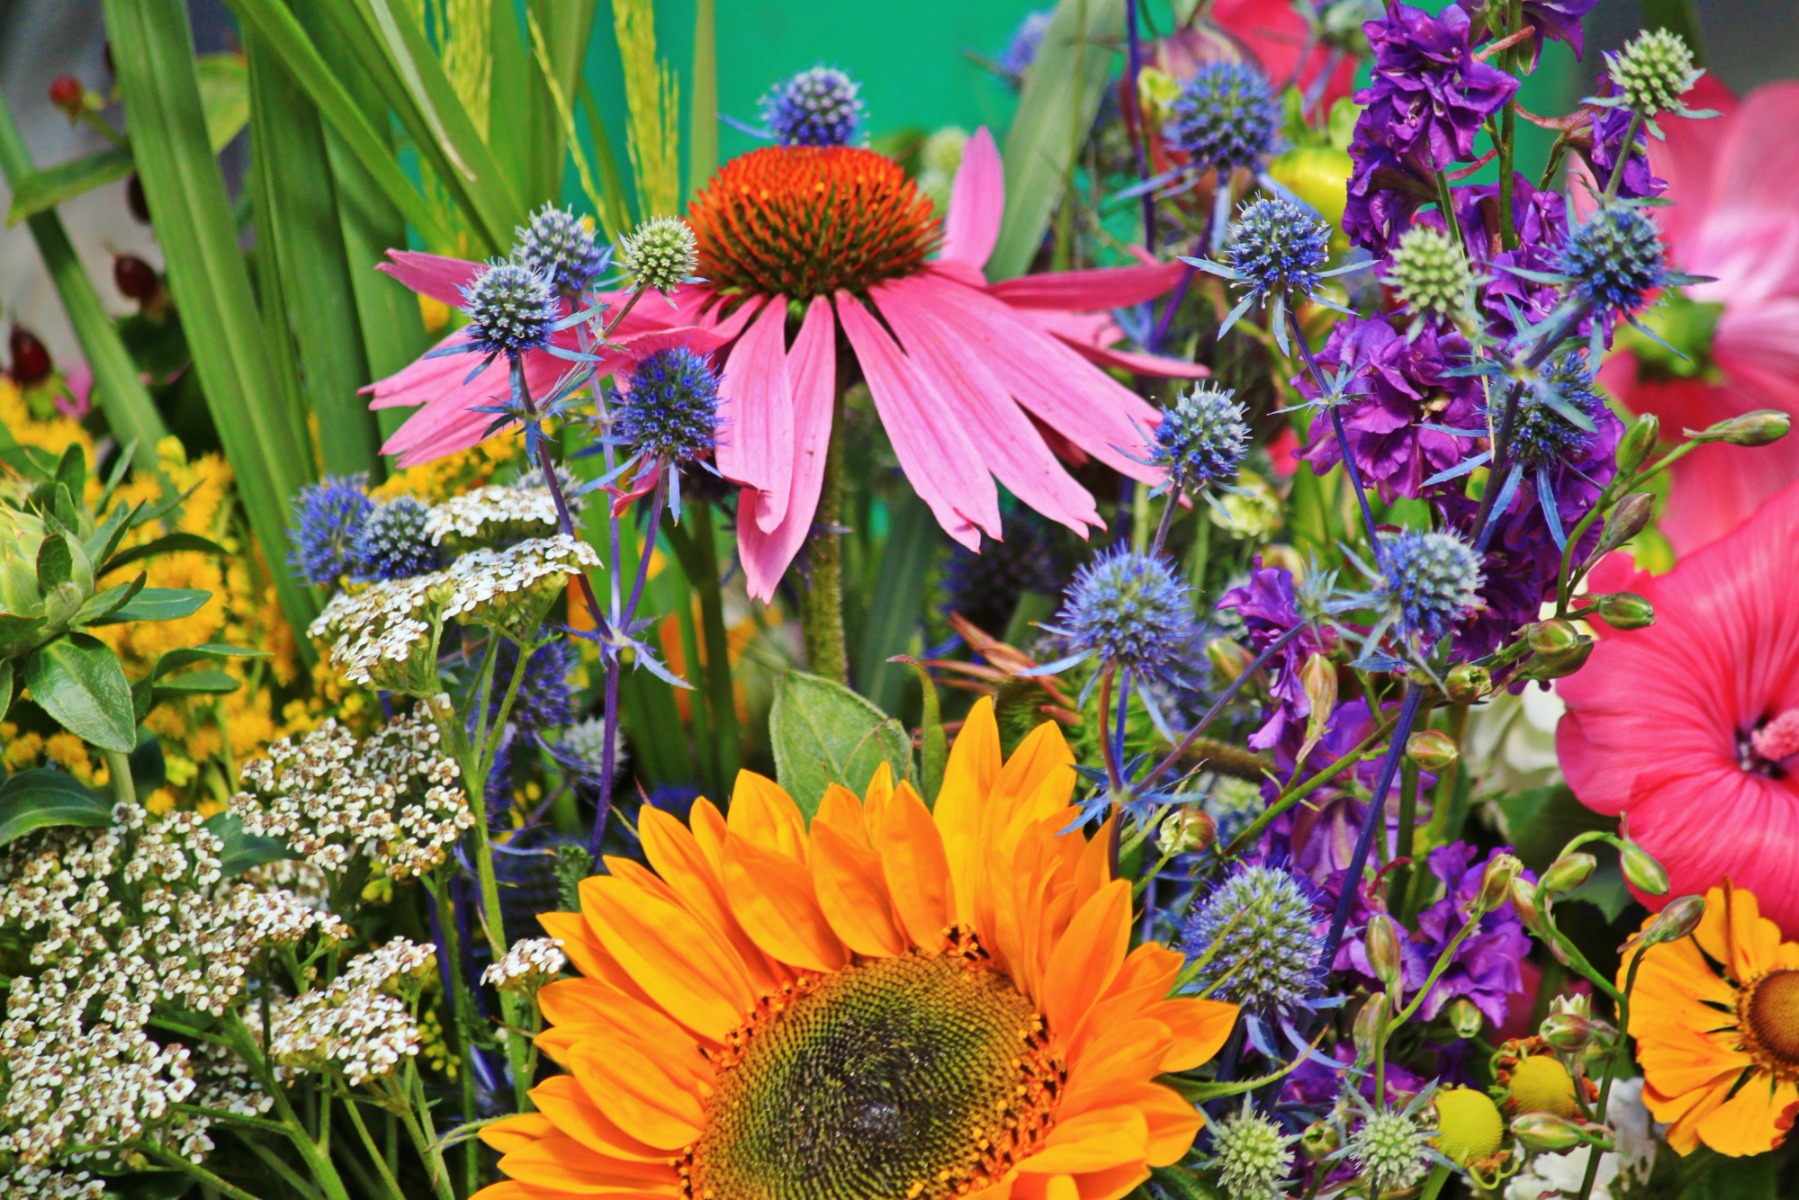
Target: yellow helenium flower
pixel 894 1004
pixel 1716 1018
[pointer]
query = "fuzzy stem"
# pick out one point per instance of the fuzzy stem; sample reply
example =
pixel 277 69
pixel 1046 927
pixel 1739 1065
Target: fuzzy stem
pixel 821 600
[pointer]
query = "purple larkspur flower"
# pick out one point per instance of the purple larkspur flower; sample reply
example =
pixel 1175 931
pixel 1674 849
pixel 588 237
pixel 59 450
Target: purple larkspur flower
pixel 1557 21
pixel 1268 607
pixel 1428 95
pixel 1606 133
pixel 1385 192
pixel 1320 1078
pixel 1401 385
pixel 1508 300
pixel 1484 968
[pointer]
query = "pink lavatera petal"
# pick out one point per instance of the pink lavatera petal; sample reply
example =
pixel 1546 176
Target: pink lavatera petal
pixel 812 372
pixel 977 202
pixel 755 413
pixel 1759 157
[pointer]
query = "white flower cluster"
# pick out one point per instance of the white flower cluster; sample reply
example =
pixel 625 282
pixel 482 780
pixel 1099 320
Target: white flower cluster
pixel 497 509
pixel 36 1183
pixel 385 634
pixel 393 798
pixel 124 922
pixel 527 965
pixel 362 1024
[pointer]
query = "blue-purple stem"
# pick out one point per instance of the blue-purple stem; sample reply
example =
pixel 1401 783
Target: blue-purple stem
pixel 1485 518
pixel 1349 463
pixel 1224 698
pixel 1375 821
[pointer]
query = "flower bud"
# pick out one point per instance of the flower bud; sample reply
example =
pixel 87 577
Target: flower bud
pixel 1468 681
pixel 1756 428
pixel 1568 1033
pixel 1465 1018
pixel 1545 1131
pixel 1524 903
pixel 1228 658
pixel 1674 922
pixel 1432 749
pixel 67 94
pixel 1642 871
pixel 1319 1141
pixel 1370 1022
pixel 1637 442
pixel 1629 517
pixel 1569 872
pixel 1496 881
pixel 1157 91
pixel 1319 677
pixel 30 357
pixel 1384 952
pixel 1626 610
pixel 135 278
pixel 1557 649
pixel 1186 829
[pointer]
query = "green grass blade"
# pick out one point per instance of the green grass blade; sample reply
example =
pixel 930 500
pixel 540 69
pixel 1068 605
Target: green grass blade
pixel 653 101
pixel 153 54
pixel 40 191
pixel 1062 91
pixel 286 37
pixel 615 215
pixel 567 28
pixel 903 567
pixel 130 413
pixel 702 138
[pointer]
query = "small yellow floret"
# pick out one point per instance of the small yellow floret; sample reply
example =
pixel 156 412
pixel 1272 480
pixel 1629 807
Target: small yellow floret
pixel 1469 1125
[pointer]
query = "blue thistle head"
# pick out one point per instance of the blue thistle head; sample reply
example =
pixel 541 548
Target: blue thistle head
pixel 559 244
pixel 1261 928
pixel 817 107
pixel 671 410
pixel 544 699
pixel 326 517
pixel 1202 439
pixel 1130 609
pixel 1545 437
pixel 1226 117
pixel 392 544
pixel 1614 259
pixel 1027 39
pixel 1278 248
pixel 512 309
pixel 1428 581
pixel 1031 556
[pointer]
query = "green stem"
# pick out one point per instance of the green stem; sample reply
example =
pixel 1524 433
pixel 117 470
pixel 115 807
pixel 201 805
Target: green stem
pixel 319 1164
pixel 821 600
pixel 118 766
pixel 1408 828
pixel 721 697
pixel 375 1153
pixel 1508 227
pixel 460 1016
pixel 201 1174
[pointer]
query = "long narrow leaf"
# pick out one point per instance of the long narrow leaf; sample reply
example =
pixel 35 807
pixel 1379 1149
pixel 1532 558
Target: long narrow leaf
pixel 40 191
pixel 702 138
pixel 567 28
pixel 153 54
pixel 1062 91
pixel 654 109
pixel 903 566
pixel 130 413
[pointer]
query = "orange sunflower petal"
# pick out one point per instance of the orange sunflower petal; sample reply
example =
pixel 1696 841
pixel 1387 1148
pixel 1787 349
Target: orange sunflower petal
pixel 675 959
pixel 562 1099
pixel 1095 1141
pixel 773 898
pixel 763 813
pixel 676 854
pixel 1087 956
pixel 653 1099
pixel 510 1133
pixel 847 879
pixel 916 868
pixel 1750 1122
pixel 562 1164
pixel 841 809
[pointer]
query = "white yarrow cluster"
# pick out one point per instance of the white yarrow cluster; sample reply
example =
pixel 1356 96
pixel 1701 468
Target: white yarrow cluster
pixel 36 1183
pixel 394 798
pixel 362 1024
pixel 527 965
pixel 519 510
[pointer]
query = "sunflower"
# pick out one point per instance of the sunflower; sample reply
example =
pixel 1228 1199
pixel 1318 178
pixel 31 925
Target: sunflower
pixel 894 1004
pixel 1716 1018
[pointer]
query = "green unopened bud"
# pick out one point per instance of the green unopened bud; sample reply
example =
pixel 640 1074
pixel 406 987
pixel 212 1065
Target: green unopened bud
pixel 1653 71
pixel 1628 518
pixel 1382 940
pixel 1568 872
pixel 1467 681
pixel 1157 91
pixel 1557 649
pixel 1674 922
pixel 1524 903
pixel 1370 1022
pixel 1429 273
pixel 1185 830
pixel 1642 871
pixel 1626 610
pixel 1496 881
pixel 1319 1141
pixel 1568 1033
pixel 1228 658
pixel 661 254
pixel 1465 1018
pixel 1637 442
pixel 1546 1131
pixel 1432 749
pixel 1756 428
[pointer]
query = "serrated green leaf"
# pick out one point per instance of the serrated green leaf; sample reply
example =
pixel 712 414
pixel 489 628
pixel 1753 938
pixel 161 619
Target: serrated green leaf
pixel 40 798
pixel 243 850
pixel 167 544
pixel 78 681
pixel 823 733
pixel 158 604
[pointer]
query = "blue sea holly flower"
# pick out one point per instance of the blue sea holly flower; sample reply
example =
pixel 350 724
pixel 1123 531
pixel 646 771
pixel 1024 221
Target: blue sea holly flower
pixel 1258 940
pixel 1426 582
pixel 1201 440
pixel 1026 41
pixel 667 418
pixel 821 106
pixel 326 517
pixel 660 254
pixel 1225 117
pixel 1614 259
pixel 392 543
pixel 512 310
pixel 1651 73
pixel 1276 251
pixel 560 245
pixel 1392 1149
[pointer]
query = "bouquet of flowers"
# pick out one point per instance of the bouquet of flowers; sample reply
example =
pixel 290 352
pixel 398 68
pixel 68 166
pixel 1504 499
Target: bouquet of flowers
pixel 1229 642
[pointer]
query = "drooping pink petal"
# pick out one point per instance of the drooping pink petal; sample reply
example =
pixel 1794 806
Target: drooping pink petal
pixel 1091 290
pixel 1009 443
pixel 755 413
pixel 1091 335
pixel 1049 380
pixel 812 373
pixel 432 275
pixel 977 202
pixel 446 421
pixel 936 453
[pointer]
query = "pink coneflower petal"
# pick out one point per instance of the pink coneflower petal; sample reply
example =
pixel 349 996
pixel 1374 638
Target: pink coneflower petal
pixel 1048 379
pixel 940 461
pixel 977 202
pixel 1091 335
pixel 446 421
pixel 755 413
pixel 1009 442
pixel 1096 289
pixel 432 275
pixel 812 373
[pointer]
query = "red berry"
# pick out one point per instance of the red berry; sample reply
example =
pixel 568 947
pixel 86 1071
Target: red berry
pixel 135 278
pixel 67 94
pixel 30 357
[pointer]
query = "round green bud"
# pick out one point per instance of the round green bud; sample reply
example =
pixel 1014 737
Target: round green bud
pixel 1653 72
pixel 1626 610
pixel 660 254
pixel 1429 273
pixel 1568 872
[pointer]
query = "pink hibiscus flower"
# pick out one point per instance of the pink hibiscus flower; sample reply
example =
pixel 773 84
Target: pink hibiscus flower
pixel 1733 218
pixel 1690 728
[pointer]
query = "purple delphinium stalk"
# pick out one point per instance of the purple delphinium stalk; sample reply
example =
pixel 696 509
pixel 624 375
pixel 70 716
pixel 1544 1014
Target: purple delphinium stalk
pixel 1268 607
pixel 1606 133
pixel 1508 300
pixel 1557 21
pixel 1404 383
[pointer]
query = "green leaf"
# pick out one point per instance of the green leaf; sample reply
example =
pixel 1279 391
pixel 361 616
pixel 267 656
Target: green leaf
pixel 15 629
pixel 1184 1184
pixel 40 191
pixel 55 561
pixel 6 681
pixel 174 660
pixel 934 748
pixel 243 850
pixel 111 531
pixel 206 682
pixel 225 95
pixel 902 571
pixel 78 681
pixel 97 607
pixel 823 733
pixel 167 544
pixel 157 604
pixel 40 798
pixel 1062 93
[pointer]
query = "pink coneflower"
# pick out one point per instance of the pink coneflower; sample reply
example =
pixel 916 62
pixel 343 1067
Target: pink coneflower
pixel 1733 218
pixel 1690 728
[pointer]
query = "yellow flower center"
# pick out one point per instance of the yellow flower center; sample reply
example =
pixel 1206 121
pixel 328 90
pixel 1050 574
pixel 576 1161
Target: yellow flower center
pixel 1769 1013
pixel 915 1078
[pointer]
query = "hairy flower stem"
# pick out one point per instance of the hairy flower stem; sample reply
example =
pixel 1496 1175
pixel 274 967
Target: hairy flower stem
pixel 1376 819
pixel 821 600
